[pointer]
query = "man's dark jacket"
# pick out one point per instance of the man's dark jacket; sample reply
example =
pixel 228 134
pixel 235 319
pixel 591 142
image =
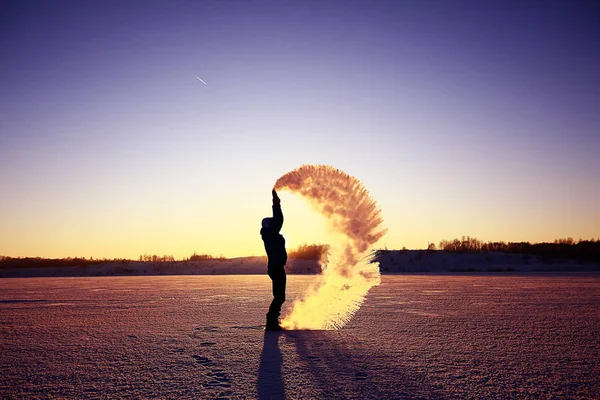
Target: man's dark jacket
pixel 274 241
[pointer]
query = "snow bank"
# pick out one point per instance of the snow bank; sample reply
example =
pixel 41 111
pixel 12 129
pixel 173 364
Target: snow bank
pixel 424 261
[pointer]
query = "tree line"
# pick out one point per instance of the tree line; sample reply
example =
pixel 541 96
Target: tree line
pixel 564 248
pixel 303 252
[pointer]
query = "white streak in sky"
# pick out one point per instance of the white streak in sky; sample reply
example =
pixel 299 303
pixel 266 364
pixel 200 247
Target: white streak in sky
pixel 197 77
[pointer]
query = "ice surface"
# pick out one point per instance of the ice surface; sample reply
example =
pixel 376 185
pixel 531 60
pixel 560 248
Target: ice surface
pixel 201 337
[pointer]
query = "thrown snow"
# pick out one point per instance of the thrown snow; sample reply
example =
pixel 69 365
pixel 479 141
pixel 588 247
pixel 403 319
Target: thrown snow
pixel 201 337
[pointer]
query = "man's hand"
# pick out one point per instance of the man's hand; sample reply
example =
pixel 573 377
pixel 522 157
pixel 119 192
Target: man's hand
pixel 276 200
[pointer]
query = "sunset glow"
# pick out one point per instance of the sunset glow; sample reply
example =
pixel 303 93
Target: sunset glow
pixel 475 119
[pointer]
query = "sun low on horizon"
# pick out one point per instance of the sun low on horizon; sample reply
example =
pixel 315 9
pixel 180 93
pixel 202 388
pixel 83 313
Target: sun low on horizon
pixel 133 128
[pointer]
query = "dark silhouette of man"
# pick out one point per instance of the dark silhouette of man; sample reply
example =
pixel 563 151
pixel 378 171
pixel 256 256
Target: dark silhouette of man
pixel 277 256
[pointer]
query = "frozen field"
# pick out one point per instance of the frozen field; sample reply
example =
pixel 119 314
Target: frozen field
pixel 196 337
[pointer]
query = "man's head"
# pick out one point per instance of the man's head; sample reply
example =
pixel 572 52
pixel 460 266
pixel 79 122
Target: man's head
pixel 266 222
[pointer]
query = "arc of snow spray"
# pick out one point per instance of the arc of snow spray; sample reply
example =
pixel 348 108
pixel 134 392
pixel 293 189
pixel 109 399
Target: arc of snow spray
pixel 348 275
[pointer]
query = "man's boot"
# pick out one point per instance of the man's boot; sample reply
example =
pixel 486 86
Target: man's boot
pixel 272 324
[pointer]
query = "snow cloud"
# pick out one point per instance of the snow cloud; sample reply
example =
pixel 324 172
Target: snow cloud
pixel 347 275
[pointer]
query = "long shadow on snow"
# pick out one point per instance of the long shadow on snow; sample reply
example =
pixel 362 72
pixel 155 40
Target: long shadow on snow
pixel 340 372
pixel 270 382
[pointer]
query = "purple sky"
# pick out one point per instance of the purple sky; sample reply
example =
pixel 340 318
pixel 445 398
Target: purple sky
pixel 461 118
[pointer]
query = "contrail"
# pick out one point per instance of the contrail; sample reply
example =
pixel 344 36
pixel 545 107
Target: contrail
pixel 197 77
pixel 348 276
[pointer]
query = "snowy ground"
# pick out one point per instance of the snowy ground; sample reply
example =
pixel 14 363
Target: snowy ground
pixel 201 337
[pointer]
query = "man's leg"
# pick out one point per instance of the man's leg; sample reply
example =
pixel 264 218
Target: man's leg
pixel 279 279
pixel 279 283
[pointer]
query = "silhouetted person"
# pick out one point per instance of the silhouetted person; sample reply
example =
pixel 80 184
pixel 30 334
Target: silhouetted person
pixel 275 247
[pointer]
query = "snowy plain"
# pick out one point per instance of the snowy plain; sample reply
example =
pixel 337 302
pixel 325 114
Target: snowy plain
pixel 415 337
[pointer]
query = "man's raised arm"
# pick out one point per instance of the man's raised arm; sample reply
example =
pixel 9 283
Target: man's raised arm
pixel 277 221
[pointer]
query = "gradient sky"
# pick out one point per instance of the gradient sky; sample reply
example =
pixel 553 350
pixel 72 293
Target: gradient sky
pixel 460 117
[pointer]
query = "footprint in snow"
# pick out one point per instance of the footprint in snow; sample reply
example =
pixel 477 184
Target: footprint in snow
pixel 252 327
pixel 206 328
pixel 204 361
pixel 361 376
pixel 219 378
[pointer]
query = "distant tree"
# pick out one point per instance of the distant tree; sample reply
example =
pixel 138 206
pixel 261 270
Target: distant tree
pixel 314 252
pixel 568 241
pixel 464 245
pixel 201 257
